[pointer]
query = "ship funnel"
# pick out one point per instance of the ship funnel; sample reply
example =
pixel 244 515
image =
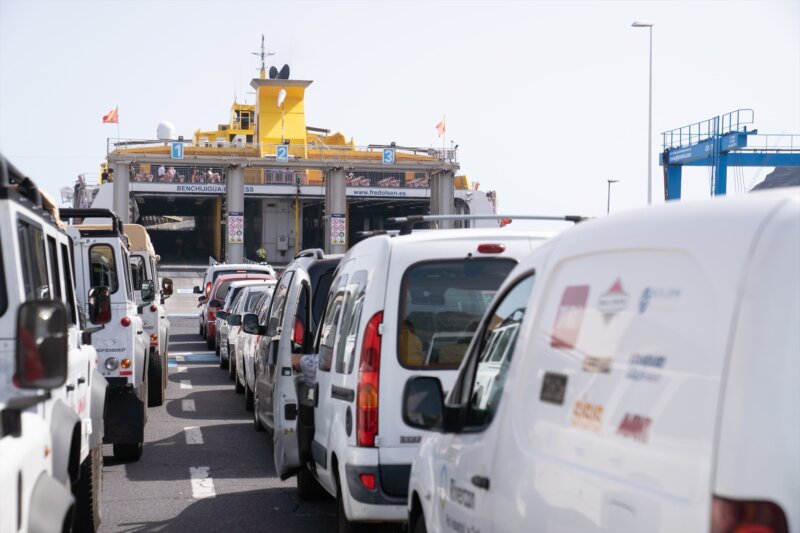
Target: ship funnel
pixel 165 131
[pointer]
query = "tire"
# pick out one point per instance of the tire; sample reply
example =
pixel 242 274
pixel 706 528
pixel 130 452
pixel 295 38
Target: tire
pixel 223 362
pixel 155 381
pixel 343 524
pixel 128 451
pixel 201 329
pixel 248 396
pixel 216 342
pixel 308 488
pixel 418 524
pixel 237 384
pixel 210 343
pixel 88 492
pixel 231 364
pixel 257 425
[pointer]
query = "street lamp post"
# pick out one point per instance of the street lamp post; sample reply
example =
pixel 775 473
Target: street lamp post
pixel 649 25
pixel 608 203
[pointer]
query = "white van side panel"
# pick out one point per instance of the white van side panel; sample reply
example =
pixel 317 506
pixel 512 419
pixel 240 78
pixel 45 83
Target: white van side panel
pixel 759 441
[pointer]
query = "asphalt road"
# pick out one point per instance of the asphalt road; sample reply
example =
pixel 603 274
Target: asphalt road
pixel 234 486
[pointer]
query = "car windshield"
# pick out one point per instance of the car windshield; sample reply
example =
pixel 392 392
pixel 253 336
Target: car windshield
pixel 441 305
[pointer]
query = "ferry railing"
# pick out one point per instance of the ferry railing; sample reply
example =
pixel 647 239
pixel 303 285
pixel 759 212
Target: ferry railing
pixel 697 132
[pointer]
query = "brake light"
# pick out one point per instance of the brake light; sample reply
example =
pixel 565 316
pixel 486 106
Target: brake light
pixel 208 288
pixel 125 321
pixel 744 516
pixel 298 331
pixel 211 314
pixel 153 308
pixel 491 248
pixel 368 480
pixel 368 378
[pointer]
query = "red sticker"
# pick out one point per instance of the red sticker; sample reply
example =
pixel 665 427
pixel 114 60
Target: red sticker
pixel 569 317
pixel 635 427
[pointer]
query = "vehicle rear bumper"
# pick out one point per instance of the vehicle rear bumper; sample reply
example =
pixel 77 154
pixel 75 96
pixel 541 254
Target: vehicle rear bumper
pixel 377 504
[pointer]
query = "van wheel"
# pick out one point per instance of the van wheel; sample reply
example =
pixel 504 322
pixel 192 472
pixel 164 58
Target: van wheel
pixel 88 492
pixel 201 329
pixel 308 488
pixel 257 425
pixel 223 362
pixel 343 524
pixel 155 381
pixel 128 451
pixel 210 343
pixel 417 524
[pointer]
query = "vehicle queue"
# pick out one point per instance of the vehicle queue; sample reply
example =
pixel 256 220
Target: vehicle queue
pixel 632 373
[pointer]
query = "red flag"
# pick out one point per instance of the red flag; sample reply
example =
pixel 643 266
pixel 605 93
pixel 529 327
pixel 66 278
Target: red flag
pixel 440 127
pixel 111 117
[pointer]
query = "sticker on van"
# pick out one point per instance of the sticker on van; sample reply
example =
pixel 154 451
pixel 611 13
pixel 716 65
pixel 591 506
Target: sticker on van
pixel 569 317
pixel 635 427
pixel 554 387
pixel 597 365
pixel 641 365
pixel 588 416
pixel 657 293
pixel 614 300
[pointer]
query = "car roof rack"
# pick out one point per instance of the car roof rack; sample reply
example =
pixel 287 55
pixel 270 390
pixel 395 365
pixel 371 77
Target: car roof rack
pixel 316 253
pixel 12 177
pixel 410 221
pixel 94 212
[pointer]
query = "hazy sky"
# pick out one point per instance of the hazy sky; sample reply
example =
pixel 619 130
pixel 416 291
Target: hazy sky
pixel 545 99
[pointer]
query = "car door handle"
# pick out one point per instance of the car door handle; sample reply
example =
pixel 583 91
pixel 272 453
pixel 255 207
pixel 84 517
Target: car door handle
pixel 343 393
pixel 482 482
pixel 70 388
pixel 140 332
pixel 81 381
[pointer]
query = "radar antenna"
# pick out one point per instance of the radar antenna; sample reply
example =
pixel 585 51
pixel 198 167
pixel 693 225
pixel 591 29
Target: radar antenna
pixel 263 54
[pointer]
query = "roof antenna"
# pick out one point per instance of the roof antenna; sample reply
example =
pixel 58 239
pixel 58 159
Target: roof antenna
pixel 263 54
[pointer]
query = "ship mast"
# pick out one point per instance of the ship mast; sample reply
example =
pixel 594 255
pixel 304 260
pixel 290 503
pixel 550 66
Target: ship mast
pixel 263 54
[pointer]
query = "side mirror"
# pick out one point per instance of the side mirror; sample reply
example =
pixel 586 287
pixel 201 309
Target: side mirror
pixel 148 291
pixel 234 320
pixel 423 403
pixel 250 324
pixel 222 315
pixel 167 288
pixel 42 345
pixel 196 290
pixel 99 304
pixel 215 303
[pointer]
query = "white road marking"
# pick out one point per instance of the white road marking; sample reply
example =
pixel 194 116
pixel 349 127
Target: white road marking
pixel 193 435
pixel 188 405
pixel 202 484
pixel 179 359
pixel 181 369
pixel 192 352
pixel 186 384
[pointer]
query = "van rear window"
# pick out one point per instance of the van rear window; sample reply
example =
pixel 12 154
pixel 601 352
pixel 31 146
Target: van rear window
pixel 441 304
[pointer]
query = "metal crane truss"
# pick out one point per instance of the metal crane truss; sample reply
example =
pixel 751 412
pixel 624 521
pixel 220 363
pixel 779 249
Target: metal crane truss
pixel 720 142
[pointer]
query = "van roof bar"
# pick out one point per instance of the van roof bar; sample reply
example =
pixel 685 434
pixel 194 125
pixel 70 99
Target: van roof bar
pixel 374 232
pixel 409 221
pixel 316 253
pixel 11 175
pixel 94 212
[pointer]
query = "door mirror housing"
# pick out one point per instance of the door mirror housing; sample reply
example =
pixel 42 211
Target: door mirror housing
pixel 234 320
pixel 197 290
pixel 215 303
pixel 423 403
pixel 148 291
pixel 167 287
pixel 250 324
pixel 42 345
pixel 222 315
pixel 99 305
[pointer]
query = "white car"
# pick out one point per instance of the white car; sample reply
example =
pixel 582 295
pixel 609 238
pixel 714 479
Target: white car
pixel 651 382
pixel 223 327
pixel 247 343
pixel 102 261
pixel 398 307
pixel 52 400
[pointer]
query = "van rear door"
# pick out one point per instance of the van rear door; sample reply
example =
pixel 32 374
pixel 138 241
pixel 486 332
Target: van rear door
pixel 437 295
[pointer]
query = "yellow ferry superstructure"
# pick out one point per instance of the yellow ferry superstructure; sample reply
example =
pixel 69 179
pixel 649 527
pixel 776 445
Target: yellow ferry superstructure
pixel 182 203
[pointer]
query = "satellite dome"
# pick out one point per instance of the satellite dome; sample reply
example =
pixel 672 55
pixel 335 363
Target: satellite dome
pixel 166 131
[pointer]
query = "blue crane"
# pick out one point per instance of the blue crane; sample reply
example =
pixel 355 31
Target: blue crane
pixel 720 142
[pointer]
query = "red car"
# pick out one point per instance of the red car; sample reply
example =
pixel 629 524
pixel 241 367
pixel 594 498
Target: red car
pixel 216 298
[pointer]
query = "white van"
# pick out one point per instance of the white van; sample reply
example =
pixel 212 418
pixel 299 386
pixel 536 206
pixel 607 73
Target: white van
pixel 37 294
pixel 154 316
pixel 398 307
pixel 102 260
pixel 651 384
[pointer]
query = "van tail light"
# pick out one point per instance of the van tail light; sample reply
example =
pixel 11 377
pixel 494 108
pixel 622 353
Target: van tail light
pixel 211 314
pixel 746 516
pixel 491 248
pixel 368 480
pixel 208 288
pixel 125 321
pixel 298 331
pixel 368 378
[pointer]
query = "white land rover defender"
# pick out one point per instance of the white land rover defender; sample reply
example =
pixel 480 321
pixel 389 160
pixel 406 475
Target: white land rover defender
pixel 102 260
pixel 156 325
pixel 50 437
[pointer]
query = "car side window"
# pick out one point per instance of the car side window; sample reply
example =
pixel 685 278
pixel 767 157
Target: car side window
pixel 488 368
pixel 66 259
pixel 138 271
pixel 351 317
pixel 278 303
pixel 327 335
pixel 34 262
